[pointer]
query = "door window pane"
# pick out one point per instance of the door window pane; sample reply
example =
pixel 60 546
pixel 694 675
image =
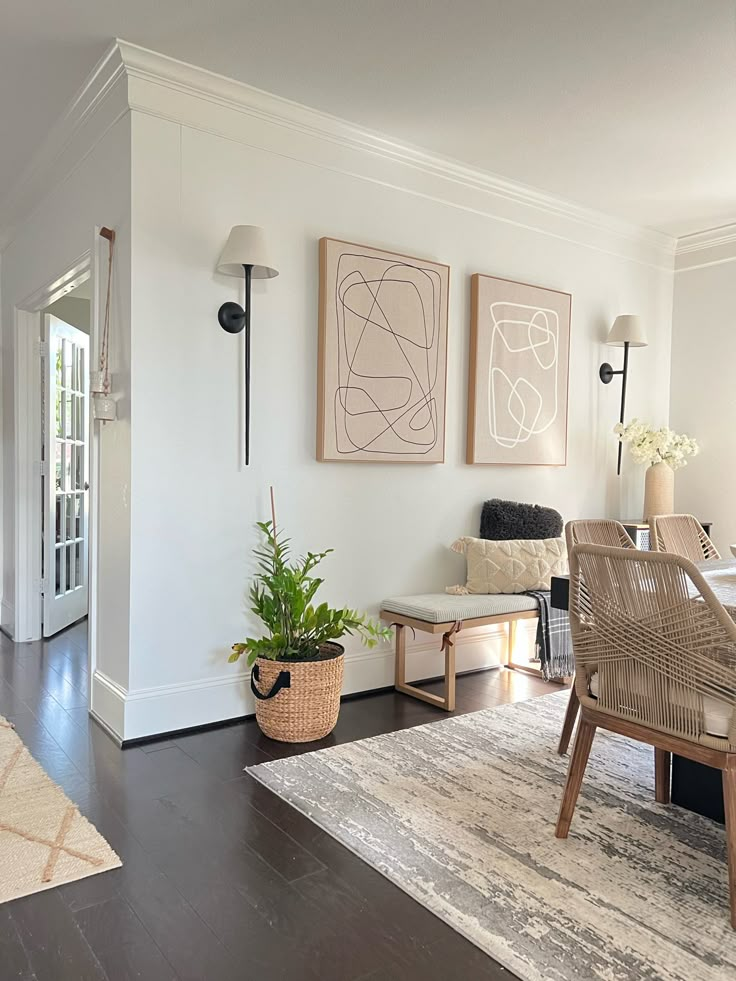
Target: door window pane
pixel 78 516
pixel 81 369
pixel 56 355
pixel 67 466
pixel 68 417
pixel 66 363
pixel 69 508
pixel 59 519
pixel 59 429
pixel 58 585
pixel 68 563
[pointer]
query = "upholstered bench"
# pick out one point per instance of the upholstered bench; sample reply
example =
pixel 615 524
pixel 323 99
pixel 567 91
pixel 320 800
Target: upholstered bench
pixel 441 613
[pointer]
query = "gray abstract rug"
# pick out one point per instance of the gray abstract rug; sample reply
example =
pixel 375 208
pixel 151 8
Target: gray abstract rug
pixel 461 813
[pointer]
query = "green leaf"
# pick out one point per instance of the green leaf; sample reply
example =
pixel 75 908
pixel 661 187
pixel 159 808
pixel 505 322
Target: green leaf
pixel 281 596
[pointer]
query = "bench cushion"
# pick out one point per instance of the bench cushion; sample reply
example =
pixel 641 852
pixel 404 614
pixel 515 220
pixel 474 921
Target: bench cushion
pixel 441 608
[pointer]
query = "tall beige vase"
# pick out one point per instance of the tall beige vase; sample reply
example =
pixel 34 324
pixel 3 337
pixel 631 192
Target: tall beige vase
pixel 659 490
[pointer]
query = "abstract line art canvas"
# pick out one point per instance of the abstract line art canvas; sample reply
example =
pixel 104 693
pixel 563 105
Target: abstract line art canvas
pixel 382 356
pixel 517 391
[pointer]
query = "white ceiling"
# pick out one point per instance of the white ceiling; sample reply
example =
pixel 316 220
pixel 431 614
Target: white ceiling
pixel 627 106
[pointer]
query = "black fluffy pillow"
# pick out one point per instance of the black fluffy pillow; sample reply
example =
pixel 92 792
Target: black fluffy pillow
pixel 504 520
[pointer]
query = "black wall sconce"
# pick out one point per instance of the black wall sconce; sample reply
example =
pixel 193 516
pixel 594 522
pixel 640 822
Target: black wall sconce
pixel 245 254
pixel 627 331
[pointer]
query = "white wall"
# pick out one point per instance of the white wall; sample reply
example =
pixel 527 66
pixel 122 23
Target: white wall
pixel 703 401
pixel 95 191
pixel 193 511
pixel 197 154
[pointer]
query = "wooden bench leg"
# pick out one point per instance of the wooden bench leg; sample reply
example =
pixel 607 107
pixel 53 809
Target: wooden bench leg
pixel 511 642
pixel 400 665
pixel 401 684
pixel 449 674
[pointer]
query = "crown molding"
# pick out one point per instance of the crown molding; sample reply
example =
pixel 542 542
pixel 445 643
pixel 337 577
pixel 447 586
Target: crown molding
pixel 150 66
pixel 710 238
pixel 124 62
pixel 711 247
pixel 48 166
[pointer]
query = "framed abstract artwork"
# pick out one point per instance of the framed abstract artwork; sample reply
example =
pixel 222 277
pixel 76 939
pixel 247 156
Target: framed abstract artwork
pixel 517 391
pixel 382 356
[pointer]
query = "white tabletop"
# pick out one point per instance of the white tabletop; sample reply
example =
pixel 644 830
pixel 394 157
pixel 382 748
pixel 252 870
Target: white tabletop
pixel 720 574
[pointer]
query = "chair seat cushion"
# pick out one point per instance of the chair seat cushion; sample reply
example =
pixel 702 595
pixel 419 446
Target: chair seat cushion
pixel 716 714
pixel 442 608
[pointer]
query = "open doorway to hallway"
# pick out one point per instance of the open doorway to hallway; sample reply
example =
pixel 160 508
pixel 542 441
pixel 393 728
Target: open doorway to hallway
pixel 65 471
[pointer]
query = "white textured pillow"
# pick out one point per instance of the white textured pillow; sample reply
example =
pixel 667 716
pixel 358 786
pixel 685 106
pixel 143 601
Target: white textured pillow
pixel 510 566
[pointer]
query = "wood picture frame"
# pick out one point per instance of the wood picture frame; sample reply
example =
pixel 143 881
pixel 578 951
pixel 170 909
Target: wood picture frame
pixel 518 373
pixel 382 355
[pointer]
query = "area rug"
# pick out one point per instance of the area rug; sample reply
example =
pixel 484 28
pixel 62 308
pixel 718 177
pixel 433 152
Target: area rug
pixel 44 840
pixel 461 813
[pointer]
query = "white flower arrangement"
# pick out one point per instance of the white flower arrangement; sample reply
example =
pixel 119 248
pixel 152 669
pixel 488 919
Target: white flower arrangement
pixel 652 446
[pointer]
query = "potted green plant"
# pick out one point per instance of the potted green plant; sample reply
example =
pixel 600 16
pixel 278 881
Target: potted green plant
pixel 297 665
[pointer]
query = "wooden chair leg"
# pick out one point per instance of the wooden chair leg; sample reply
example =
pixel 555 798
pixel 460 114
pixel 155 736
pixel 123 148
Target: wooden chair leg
pixel 662 775
pixel 575 772
pixel 729 802
pixel 569 724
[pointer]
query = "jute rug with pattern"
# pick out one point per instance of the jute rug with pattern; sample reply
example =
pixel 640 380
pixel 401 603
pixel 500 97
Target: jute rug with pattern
pixel 44 840
pixel 461 814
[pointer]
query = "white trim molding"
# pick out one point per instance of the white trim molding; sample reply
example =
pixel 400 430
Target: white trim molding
pixel 222 92
pixel 168 708
pixel 107 704
pixel 27 487
pixel 200 99
pixel 710 247
pixel 7 619
pixel 132 77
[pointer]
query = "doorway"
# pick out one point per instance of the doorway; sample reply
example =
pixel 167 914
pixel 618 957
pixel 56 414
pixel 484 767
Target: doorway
pixel 64 366
pixel 35 478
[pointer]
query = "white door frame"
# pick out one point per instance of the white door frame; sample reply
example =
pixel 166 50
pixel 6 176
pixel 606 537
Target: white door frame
pixel 28 436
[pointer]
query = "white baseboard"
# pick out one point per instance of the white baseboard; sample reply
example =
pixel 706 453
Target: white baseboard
pixel 167 708
pixel 7 619
pixel 107 704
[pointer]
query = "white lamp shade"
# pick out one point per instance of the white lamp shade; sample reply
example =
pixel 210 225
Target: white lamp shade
pixel 246 245
pixel 627 327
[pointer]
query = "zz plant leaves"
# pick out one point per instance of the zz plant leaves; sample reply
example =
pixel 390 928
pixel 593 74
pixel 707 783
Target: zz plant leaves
pixel 281 596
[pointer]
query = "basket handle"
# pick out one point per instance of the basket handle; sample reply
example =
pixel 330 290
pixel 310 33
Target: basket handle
pixel 283 681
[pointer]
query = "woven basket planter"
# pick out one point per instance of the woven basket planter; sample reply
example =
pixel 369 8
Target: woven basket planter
pixel 298 701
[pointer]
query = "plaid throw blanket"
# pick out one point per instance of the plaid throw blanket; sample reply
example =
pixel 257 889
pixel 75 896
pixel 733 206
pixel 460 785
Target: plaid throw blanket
pixel 554 644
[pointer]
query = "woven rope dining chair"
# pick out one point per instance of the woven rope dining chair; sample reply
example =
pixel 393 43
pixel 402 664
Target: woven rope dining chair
pixel 655 660
pixel 596 531
pixel 682 534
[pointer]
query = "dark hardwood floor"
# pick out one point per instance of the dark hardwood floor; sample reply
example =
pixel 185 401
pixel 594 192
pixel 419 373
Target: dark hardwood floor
pixel 221 879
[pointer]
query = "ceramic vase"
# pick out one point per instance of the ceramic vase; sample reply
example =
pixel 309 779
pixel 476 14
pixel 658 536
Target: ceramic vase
pixel 659 490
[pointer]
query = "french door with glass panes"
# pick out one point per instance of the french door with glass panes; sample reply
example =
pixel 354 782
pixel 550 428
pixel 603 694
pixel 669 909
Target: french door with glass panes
pixel 66 455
